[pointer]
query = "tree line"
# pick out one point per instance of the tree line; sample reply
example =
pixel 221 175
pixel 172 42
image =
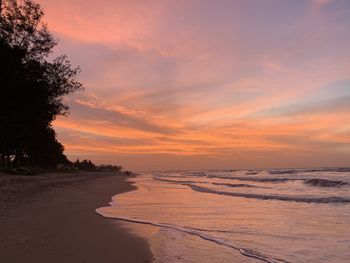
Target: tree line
pixel 88 165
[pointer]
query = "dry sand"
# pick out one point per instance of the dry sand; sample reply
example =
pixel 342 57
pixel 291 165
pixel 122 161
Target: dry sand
pixel 59 223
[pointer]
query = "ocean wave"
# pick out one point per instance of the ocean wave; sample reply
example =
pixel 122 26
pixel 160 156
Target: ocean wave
pixel 189 182
pixel 254 179
pixel 195 173
pixel 300 199
pixel 247 252
pixel 311 182
pixel 239 185
pixel 342 169
pixel 283 171
pixel 310 170
pixel 324 183
pixel 331 169
pixel 252 173
pixel 185 182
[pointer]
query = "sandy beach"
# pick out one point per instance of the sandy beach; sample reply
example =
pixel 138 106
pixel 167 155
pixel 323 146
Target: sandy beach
pixel 59 224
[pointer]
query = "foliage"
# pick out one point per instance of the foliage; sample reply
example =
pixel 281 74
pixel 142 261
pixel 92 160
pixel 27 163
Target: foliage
pixel 32 87
pixel 87 165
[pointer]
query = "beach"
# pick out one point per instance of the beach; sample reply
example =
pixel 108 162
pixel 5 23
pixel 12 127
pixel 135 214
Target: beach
pixel 52 219
pixel 180 217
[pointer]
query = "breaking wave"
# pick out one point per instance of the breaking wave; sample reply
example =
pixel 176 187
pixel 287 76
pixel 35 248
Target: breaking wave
pixel 254 179
pixel 252 173
pixel 324 183
pixel 283 171
pixel 330 199
pixel 239 185
pixel 294 171
pixel 185 182
pixel 195 173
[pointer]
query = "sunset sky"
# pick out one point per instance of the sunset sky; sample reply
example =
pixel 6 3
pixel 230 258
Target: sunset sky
pixel 188 84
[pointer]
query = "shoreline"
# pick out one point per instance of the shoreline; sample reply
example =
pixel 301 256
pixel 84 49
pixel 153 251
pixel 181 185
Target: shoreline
pixel 60 224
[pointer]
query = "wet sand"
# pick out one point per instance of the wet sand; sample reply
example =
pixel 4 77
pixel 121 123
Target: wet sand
pixel 60 225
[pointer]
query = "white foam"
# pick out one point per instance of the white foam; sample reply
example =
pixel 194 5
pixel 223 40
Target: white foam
pixel 243 251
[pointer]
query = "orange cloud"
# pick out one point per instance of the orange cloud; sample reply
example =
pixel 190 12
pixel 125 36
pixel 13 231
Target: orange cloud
pixel 185 80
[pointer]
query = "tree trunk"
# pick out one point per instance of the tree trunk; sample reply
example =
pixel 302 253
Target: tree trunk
pixel 9 162
pixel 2 159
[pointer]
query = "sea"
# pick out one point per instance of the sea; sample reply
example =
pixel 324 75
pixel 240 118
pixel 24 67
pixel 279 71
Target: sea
pixel 271 215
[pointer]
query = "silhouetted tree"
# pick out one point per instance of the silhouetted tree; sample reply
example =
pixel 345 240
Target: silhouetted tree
pixel 85 165
pixel 88 165
pixel 32 87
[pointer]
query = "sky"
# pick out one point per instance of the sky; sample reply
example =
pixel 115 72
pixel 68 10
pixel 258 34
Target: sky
pixel 206 84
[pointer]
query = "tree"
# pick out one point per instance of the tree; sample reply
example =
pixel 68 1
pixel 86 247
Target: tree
pixel 32 86
pixel 85 165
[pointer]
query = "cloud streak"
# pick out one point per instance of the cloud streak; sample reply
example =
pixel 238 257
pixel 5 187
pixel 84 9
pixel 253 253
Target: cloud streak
pixel 207 83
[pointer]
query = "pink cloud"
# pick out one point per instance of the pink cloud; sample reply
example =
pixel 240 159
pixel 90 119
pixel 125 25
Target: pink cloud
pixel 194 78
